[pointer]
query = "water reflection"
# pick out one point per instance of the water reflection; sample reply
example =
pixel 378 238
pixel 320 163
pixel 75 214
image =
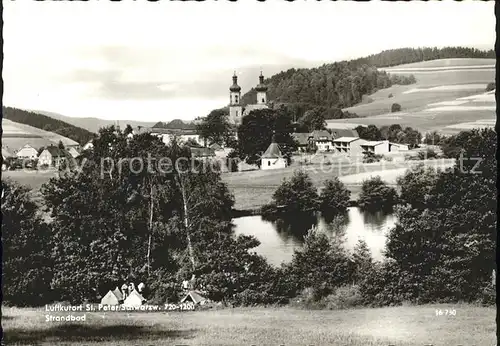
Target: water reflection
pixel 280 238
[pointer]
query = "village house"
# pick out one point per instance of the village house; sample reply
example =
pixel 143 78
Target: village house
pixel 204 154
pixel 322 139
pixel 302 140
pixel 27 152
pixel 348 146
pixel 273 158
pixel 376 147
pixel 74 152
pixel 53 156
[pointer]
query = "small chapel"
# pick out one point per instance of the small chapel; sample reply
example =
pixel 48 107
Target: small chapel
pixel 273 157
pixel 236 110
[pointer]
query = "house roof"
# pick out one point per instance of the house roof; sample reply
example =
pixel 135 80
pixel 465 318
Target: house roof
pixel 373 143
pixel 56 152
pixel 337 133
pixel 273 151
pixel 320 134
pixel 196 297
pixel 346 139
pixel 215 146
pixel 202 152
pixel 301 138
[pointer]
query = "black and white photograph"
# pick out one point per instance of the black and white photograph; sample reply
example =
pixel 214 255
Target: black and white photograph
pixel 249 172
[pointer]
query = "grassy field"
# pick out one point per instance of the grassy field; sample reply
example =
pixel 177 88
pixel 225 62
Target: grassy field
pixel 402 326
pixel 438 81
pixel 253 189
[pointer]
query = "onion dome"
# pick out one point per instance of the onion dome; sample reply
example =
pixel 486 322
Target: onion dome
pixel 261 86
pixel 235 86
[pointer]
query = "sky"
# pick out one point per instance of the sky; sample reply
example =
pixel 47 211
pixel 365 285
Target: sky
pixel 158 61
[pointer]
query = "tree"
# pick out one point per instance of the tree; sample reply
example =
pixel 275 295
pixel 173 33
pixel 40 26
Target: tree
pixel 362 261
pixel 313 119
pixel 322 264
pixel 370 133
pixel 27 266
pixel 396 107
pixel 256 131
pixel 60 145
pixel 375 194
pixel 491 86
pixel 334 197
pixel 296 196
pixel 416 185
pixel 215 127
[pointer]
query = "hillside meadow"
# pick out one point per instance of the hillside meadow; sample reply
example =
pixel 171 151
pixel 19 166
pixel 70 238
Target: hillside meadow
pixel 402 326
pixel 445 81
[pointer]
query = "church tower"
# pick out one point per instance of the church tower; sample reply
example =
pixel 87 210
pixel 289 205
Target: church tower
pixel 235 109
pixel 261 89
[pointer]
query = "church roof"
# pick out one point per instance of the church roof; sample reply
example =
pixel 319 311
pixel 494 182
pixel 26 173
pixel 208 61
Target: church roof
pixel 273 151
pixel 261 86
pixel 235 86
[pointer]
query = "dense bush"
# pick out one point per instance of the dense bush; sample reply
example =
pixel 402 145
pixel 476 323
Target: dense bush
pixel 396 107
pixel 369 157
pixel 428 154
pixel 26 242
pixel 344 297
pixel 295 196
pixel 321 265
pixel 376 195
pixel 334 197
pixel 416 186
pixel 491 86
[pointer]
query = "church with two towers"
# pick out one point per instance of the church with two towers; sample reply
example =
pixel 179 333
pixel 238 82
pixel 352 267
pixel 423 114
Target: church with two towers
pixel 236 110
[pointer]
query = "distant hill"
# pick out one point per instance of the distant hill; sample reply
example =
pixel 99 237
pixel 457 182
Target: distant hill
pixel 176 124
pixel 47 124
pixel 93 124
pixel 343 84
pixel 16 135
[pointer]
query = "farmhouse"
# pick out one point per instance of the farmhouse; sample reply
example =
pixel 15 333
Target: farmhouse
pixel 272 158
pixel 302 140
pixel 348 146
pixel 322 139
pixel 53 156
pixel 27 152
pixel 202 153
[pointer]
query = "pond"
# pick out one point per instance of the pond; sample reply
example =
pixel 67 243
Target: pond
pixel 278 241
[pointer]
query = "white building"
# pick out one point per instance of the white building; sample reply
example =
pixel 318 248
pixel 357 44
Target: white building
pixel 27 152
pixel 272 158
pixel 376 147
pixel 348 146
pixel 89 145
pixel 322 139
pixel 398 147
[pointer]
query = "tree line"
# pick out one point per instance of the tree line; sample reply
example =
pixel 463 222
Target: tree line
pixel 47 123
pixel 118 222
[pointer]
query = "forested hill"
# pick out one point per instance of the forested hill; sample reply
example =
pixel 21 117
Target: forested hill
pixel 402 56
pixel 47 123
pixel 342 84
